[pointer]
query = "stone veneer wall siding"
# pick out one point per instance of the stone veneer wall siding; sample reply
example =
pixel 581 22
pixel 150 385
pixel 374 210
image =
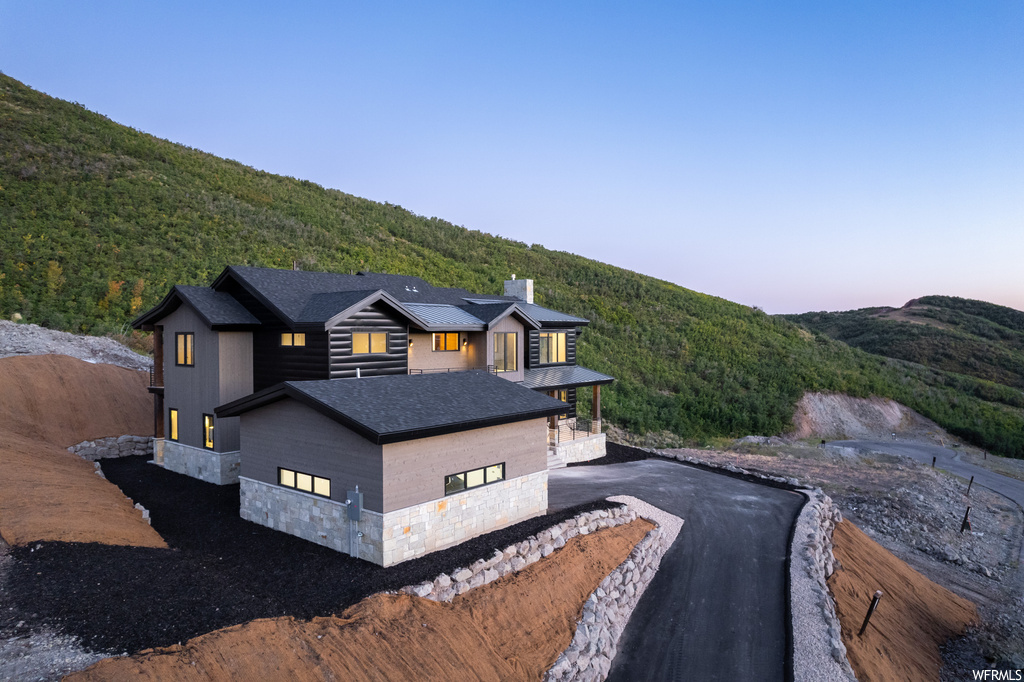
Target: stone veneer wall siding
pixel 582 449
pixel 399 535
pixel 115 446
pixel 220 468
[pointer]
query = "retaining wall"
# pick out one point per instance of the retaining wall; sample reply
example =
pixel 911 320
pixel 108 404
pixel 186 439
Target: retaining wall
pixel 582 449
pixel 115 446
pixel 213 467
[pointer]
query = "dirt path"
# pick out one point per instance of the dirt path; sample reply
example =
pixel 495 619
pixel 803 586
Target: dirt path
pixel 47 403
pixel 513 628
pixel 914 618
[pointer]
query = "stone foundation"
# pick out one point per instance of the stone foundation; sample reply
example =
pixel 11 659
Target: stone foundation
pixel 206 465
pixel 115 446
pixel 582 449
pixel 397 536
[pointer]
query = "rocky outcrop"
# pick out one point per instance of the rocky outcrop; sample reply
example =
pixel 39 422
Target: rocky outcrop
pixel 31 339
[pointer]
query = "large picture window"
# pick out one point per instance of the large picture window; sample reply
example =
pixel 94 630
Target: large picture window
pixel 552 347
pixel 505 347
pixel 307 483
pixel 184 344
pixel 208 431
pixel 369 342
pixel 290 339
pixel 474 478
pixel 446 341
pixel 172 419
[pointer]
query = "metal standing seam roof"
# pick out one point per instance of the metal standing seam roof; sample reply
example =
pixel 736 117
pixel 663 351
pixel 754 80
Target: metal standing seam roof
pixel 437 313
pixel 395 408
pixel 542 314
pixel 565 376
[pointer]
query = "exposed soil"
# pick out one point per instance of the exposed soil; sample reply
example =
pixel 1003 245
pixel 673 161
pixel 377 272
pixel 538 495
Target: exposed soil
pixel 513 628
pixel 31 339
pixel 46 493
pixel 913 619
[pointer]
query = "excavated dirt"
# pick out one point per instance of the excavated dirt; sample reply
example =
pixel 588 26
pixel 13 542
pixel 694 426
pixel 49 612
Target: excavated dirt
pixel 833 416
pixel 513 628
pixel 46 493
pixel 913 620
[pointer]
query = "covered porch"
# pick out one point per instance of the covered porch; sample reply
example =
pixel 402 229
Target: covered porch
pixel 571 438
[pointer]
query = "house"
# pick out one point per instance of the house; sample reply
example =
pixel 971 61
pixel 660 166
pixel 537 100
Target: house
pixel 372 413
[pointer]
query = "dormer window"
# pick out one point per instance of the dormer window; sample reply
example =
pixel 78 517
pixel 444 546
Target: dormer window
pixel 446 341
pixel 290 339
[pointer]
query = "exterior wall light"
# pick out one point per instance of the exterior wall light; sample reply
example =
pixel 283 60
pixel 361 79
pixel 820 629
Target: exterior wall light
pixel 465 342
pixel 410 343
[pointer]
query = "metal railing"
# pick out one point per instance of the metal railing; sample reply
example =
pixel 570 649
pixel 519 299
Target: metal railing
pixel 572 429
pixel 447 370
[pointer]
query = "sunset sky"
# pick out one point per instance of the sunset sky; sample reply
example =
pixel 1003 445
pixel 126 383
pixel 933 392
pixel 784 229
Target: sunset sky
pixel 795 156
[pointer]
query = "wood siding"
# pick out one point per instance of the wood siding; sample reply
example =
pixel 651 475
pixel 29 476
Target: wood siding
pixel 509 324
pixel 533 352
pixel 376 318
pixel 291 435
pixel 235 356
pixel 193 391
pixel 414 470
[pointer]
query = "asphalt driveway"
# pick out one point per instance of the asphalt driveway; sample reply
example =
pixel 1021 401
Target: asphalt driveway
pixel 718 607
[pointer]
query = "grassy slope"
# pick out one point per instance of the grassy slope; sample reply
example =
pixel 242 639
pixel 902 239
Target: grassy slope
pixel 100 219
pixel 979 339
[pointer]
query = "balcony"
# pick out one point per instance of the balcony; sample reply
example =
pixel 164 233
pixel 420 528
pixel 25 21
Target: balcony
pixel 447 370
pixel 573 429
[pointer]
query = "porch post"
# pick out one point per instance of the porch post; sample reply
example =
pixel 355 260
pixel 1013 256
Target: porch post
pixel 596 427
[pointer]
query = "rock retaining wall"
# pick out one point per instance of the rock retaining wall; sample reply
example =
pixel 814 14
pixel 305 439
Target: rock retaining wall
pixel 115 446
pixel 582 449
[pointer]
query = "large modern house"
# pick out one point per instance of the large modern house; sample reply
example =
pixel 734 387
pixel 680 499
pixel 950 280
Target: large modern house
pixel 371 413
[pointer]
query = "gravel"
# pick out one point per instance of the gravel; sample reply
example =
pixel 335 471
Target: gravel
pixel 31 339
pixel 220 570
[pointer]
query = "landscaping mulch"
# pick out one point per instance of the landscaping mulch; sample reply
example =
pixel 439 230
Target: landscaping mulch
pixel 220 570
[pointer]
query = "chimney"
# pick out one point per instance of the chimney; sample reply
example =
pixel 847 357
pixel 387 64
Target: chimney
pixel 520 288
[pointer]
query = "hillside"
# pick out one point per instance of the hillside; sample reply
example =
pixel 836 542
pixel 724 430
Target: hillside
pixel 979 339
pixel 99 219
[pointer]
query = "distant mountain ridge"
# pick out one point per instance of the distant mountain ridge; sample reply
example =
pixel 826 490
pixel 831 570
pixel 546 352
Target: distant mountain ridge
pixel 959 335
pixel 100 219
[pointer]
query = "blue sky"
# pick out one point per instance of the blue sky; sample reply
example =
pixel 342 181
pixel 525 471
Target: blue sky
pixel 796 156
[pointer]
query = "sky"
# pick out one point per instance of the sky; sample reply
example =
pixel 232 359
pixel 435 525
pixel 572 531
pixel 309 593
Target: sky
pixel 794 156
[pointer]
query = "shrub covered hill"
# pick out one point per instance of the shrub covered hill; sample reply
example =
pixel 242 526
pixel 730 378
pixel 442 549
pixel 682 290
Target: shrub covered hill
pixel 100 219
pixel 979 339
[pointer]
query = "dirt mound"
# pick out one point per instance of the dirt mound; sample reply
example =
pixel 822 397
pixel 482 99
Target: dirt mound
pixel 513 628
pixel 914 618
pixel 60 400
pixel 834 416
pixel 31 339
pixel 47 403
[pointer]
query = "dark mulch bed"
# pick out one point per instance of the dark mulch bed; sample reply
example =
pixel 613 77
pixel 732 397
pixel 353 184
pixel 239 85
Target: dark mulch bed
pixel 220 571
pixel 617 454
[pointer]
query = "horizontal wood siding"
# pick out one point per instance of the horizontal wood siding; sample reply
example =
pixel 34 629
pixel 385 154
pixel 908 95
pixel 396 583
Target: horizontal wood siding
pixel 414 470
pixel 533 352
pixel 291 435
pixel 376 318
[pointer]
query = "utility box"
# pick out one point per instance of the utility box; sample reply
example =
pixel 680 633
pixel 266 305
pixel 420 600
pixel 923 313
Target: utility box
pixel 355 504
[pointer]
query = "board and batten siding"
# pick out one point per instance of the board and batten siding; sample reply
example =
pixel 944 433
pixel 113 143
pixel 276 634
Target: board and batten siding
pixel 235 356
pixel 414 470
pixel 192 391
pixel 533 352
pixel 376 318
pixel 294 436
pixel 509 324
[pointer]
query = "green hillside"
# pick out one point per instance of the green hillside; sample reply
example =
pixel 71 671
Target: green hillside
pixel 99 219
pixel 979 339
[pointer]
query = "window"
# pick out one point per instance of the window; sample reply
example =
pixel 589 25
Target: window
pixel 562 395
pixel 173 421
pixel 446 341
pixel 366 342
pixel 290 339
pixel 454 483
pixel 505 346
pixel 305 482
pixel 208 431
pixel 552 347
pixel 184 343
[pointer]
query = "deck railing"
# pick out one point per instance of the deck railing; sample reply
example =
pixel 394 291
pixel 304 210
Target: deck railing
pixel 572 429
pixel 446 370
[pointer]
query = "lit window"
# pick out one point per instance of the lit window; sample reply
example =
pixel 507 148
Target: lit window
pixel 453 483
pixel 552 347
pixel 304 482
pixel 173 419
pixel 290 339
pixel 562 395
pixel 184 343
pixel 208 431
pixel 505 347
pixel 446 341
pixel 365 342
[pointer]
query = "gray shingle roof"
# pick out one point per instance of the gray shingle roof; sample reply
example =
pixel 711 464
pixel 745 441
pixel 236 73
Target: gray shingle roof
pixel 566 376
pixel 403 407
pixel 219 310
pixel 322 307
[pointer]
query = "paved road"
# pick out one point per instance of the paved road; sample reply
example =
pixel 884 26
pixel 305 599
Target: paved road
pixel 950 461
pixel 716 610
